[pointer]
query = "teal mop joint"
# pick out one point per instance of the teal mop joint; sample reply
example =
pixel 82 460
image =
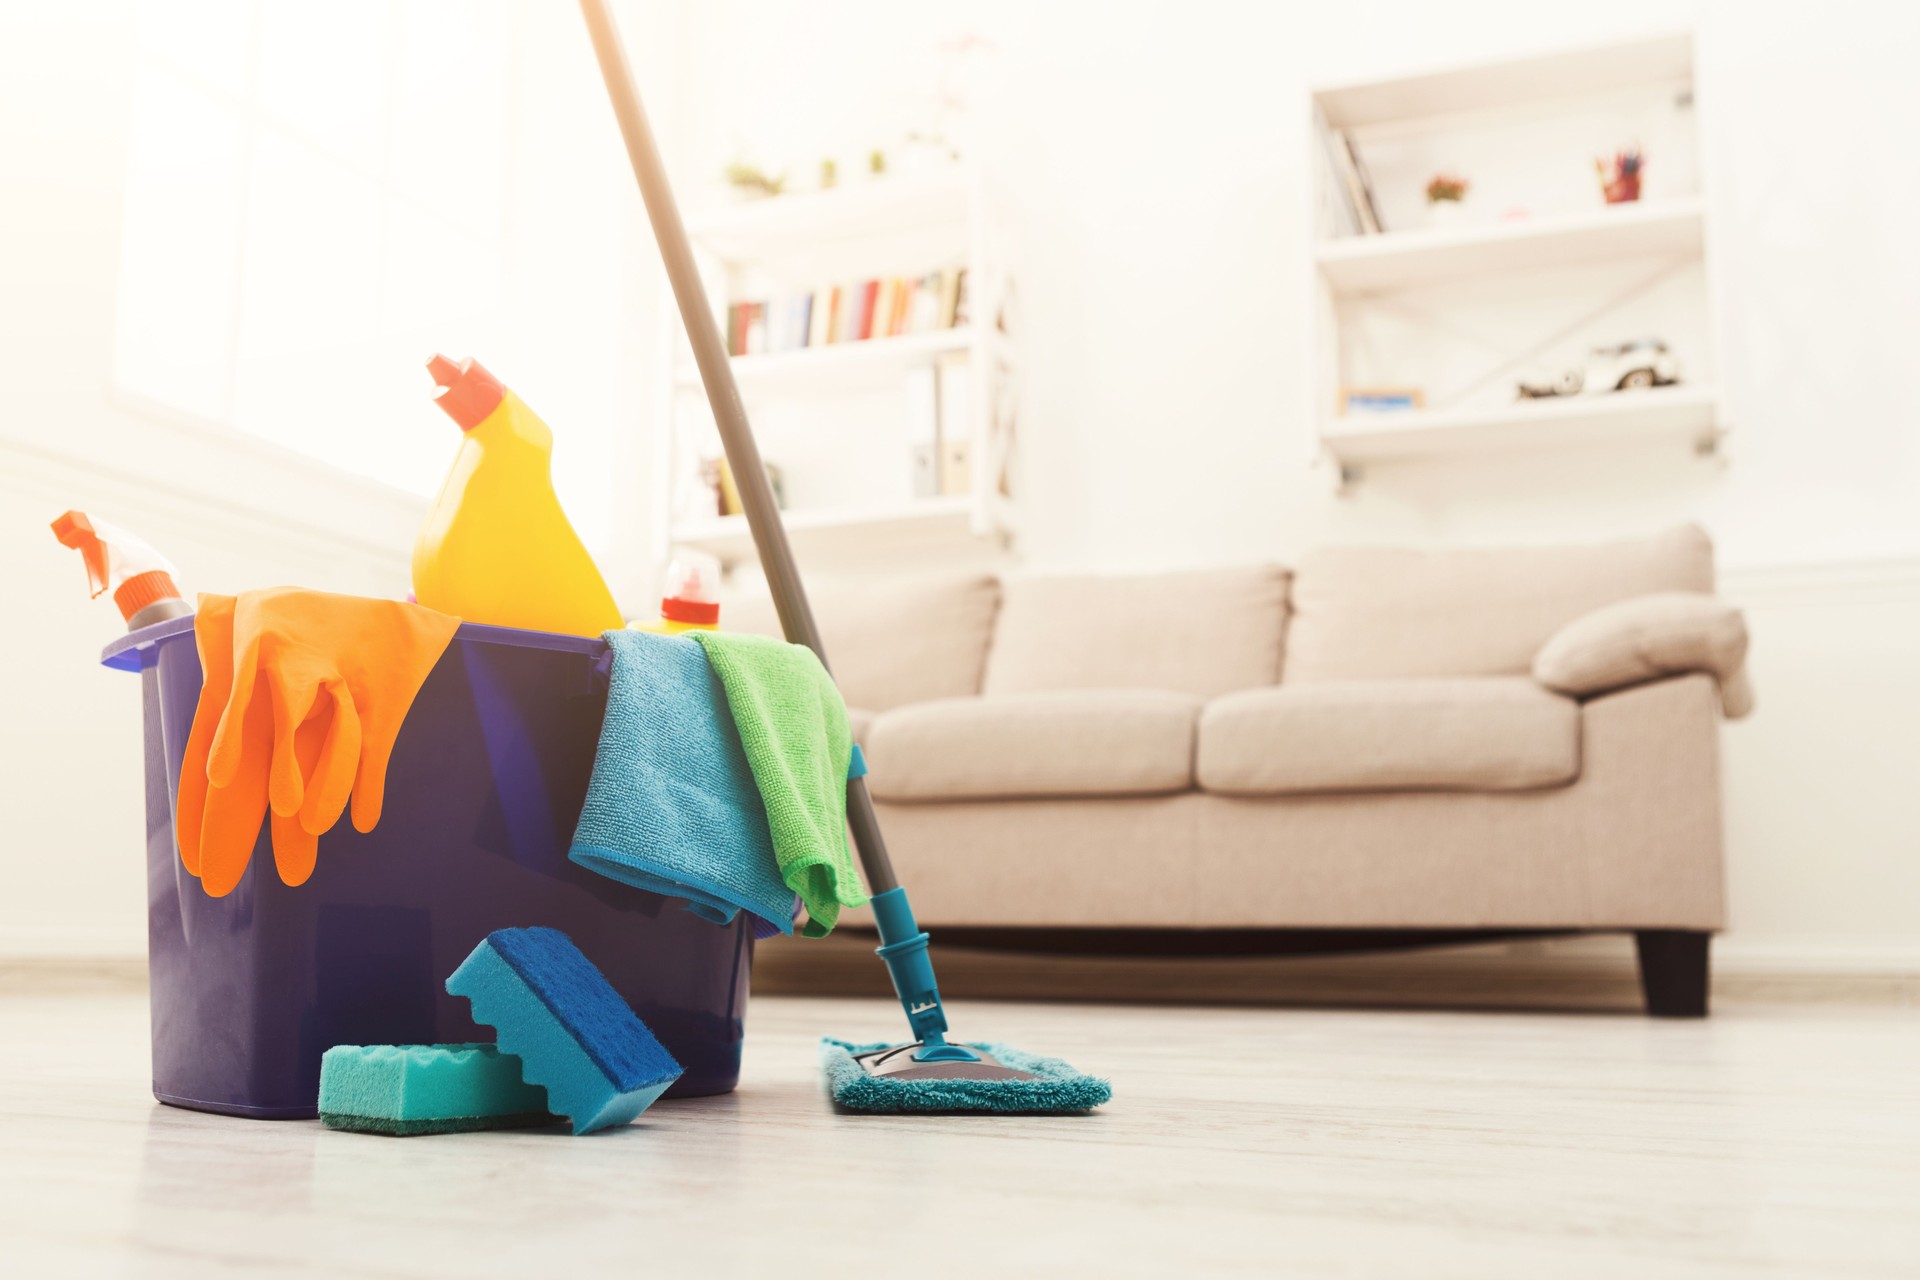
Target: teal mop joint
pixel 903 945
pixel 929 1074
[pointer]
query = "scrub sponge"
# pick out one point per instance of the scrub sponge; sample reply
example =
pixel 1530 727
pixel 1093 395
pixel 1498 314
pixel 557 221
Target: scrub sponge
pixel 411 1089
pixel 571 1030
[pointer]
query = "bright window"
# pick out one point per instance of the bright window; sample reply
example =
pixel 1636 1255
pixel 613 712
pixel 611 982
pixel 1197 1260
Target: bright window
pixel 316 202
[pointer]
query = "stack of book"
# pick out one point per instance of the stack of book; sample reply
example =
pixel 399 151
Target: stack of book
pixel 854 312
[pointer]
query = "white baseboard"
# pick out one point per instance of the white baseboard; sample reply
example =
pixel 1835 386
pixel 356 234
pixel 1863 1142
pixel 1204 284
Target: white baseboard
pixel 71 944
pixel 1733 955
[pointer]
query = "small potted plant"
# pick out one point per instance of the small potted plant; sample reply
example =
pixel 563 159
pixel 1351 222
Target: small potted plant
pixel 1620 181
pixel 1446 195
pixel 749 182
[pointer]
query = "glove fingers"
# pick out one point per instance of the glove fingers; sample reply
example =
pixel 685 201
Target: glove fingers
pixel 294 701
pixel 234 812
pixel 213 637
pixel 330 780
pixel 415 638
pixel 295 849
pixel 370 786
pixel 230 738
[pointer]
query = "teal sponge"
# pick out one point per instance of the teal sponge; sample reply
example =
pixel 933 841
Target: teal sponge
pixel 571 1030
pixel 410 1089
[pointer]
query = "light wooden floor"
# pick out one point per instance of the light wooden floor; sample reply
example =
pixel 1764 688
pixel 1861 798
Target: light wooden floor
pixel 1779 1141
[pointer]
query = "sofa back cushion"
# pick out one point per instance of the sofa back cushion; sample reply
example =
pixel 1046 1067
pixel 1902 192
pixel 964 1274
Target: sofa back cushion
pixel 1203 632
pixel 1363 613
pixel 893 642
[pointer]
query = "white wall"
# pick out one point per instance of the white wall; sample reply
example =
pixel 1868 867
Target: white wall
pixel 232 512
pixel 1153 154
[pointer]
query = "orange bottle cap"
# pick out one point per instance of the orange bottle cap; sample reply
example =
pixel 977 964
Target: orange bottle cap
pixel 466 390
pixel 143 589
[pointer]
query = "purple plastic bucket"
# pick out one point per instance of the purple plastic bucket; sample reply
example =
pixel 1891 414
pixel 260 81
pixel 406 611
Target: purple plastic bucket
pixel 483 792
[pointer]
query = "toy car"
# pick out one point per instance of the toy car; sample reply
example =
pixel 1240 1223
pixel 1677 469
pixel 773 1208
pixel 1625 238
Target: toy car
pixel 1642 363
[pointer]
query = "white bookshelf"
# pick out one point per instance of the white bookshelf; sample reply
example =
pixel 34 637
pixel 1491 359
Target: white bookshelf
pixel 834 418
pixel 1411 259
pixel 1534 269
pixel 836 532
pixel 1684 413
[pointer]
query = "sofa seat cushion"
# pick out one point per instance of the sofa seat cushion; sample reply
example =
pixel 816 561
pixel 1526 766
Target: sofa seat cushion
pixel 1094 742
pixel 1468 734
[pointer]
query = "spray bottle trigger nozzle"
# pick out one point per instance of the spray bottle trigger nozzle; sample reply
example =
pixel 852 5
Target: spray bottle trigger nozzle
pixel 74 530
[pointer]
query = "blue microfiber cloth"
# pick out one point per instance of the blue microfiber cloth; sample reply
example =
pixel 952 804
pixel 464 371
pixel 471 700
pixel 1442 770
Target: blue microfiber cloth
pixel 672 806
pixel 570 1029
pixel 408 1089
pixel 1054 1089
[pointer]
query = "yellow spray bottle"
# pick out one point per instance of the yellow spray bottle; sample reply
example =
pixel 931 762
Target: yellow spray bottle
pixel 497 548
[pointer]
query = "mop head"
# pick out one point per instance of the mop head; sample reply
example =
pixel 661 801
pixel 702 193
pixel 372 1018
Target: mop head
pixel 1045 1086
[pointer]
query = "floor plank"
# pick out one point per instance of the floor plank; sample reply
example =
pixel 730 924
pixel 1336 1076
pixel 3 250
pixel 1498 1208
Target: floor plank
pixel 1768 1140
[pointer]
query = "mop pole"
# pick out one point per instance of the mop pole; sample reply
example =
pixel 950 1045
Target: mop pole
pixel 903 944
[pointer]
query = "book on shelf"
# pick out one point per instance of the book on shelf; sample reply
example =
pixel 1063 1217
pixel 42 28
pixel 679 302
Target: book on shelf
pixel 1354 181
pixel 922 414
pixel 954 391
pixel 854 311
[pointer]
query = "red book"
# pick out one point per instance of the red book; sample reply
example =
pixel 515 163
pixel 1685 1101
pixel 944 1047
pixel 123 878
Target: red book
pixel 868 292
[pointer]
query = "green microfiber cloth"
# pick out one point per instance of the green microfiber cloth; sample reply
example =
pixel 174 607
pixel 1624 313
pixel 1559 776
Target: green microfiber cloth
pixel 404 1090
pixel 793 727
pixel 1055 1088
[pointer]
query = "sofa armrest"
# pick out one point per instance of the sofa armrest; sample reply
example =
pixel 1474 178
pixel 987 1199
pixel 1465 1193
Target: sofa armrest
pixel 1649 638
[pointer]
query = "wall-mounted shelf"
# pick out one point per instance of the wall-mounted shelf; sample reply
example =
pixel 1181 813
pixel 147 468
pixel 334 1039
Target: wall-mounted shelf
pixel 1534 278
pixel 833 533
pixel 1410 259
pixel 1679 413
pixel 844 363
pixel 769 228
pixel 1566 73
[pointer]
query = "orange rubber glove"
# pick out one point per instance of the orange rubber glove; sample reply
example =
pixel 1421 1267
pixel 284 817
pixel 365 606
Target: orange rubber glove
pixel 304 696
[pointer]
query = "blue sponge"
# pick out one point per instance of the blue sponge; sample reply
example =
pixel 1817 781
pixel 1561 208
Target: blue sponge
pixel 570 1029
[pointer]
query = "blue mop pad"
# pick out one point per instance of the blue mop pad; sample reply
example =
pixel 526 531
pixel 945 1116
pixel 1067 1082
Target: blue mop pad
pixel 1051 1087
pixel 672 807
pixel 572 1032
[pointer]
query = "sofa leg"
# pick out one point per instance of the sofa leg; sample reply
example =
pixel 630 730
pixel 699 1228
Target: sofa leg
pixel 1673 971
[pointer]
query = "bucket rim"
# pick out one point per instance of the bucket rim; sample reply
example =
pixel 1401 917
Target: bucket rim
pixel 126 652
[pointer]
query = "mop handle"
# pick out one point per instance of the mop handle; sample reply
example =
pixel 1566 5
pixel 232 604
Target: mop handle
pixel 716 373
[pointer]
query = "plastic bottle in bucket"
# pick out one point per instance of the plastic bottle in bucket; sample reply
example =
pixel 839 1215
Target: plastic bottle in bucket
pixel 691 599
pixel 141 579
pixel 497 548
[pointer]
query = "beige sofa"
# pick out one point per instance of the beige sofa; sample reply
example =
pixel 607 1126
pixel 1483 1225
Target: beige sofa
pixel 1375 740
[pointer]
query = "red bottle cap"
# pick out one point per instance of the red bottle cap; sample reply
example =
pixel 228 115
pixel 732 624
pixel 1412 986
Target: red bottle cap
pixel 466 390
pixel 702 613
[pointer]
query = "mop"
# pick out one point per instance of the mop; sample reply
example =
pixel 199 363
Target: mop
pixel 930 1073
